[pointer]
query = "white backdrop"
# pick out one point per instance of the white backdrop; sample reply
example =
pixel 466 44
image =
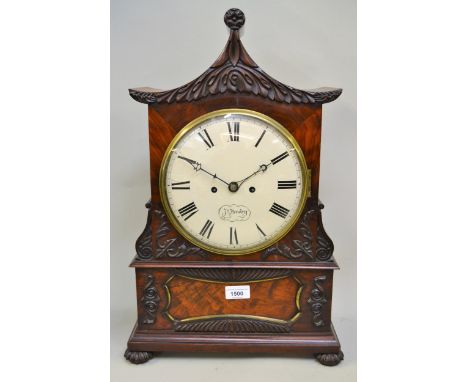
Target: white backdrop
pixel 305 44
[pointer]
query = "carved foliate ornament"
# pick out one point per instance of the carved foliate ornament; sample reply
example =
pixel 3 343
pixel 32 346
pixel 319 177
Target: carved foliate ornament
pixel 235 72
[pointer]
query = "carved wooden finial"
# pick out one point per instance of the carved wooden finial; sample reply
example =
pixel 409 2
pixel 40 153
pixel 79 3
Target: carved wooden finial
pixel 234 18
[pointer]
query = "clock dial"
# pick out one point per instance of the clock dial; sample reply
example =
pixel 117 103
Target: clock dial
pixel 233 182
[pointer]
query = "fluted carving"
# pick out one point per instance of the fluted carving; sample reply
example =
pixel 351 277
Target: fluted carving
pixel 232 325
pixel 233 274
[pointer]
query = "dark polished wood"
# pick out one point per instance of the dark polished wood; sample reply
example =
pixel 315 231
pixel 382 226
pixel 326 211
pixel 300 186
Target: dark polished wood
pixel 180 287
pixel 303 343
pixel 230 264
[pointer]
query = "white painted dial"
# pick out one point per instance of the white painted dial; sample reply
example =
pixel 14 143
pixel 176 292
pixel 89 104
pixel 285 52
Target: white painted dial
pixel 233 182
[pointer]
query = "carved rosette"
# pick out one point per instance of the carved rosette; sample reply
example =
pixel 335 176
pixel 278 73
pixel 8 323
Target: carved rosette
pixel 234 18
pixel 150 300
pixel 235 72
pixel 232 325
pixel 317 300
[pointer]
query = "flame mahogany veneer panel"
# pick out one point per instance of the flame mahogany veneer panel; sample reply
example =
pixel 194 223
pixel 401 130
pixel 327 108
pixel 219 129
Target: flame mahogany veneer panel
pixel 272 298
pixel 193 298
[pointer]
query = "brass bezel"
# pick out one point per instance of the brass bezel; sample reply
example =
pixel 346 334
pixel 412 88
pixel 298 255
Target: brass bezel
pixel 223 251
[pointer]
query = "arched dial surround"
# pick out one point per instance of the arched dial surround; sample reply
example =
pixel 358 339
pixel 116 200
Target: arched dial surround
pixel 233 181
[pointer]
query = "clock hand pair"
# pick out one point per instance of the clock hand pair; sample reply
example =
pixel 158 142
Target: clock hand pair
pixel 197 166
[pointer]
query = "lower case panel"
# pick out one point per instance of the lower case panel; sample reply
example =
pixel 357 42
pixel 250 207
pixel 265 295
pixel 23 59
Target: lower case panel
pixel 194 300
pixel 186 309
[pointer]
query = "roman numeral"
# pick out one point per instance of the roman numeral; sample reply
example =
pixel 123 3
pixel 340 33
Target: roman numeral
pixel 207 228
pixel 260 139
pixel 263 233
pixel 188 211
pixel 280 157
pixel 233 235
pixel 279 210
pixel 284 184
pixel 181 185
pixel 206 138
pixel 234 131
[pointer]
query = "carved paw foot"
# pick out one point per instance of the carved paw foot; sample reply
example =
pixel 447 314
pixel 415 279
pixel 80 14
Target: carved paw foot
pixel 138 357
pixel 330 359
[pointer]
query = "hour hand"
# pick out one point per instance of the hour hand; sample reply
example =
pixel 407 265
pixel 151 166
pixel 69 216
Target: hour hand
pixel 195 164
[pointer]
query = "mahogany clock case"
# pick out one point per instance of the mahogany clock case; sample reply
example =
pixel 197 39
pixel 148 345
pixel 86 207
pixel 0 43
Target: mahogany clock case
pixel 180 287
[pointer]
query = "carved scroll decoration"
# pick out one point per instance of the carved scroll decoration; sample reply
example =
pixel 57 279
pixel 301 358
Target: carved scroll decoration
pixel 301 247
pixel 150 300
pixel 325 245
pixel 317 300
pixel 169 243
pixel 144 250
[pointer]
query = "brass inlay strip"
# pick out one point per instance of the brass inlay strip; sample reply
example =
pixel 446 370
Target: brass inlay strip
pixel 260 318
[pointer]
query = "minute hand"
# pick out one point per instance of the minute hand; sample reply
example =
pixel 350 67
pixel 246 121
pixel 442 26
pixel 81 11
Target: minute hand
pixel 262 168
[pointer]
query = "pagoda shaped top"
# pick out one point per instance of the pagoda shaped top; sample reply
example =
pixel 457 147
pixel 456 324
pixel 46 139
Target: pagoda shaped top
pixel 235 72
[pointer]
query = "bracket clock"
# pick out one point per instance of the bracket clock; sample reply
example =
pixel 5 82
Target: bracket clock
pixel 234 256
